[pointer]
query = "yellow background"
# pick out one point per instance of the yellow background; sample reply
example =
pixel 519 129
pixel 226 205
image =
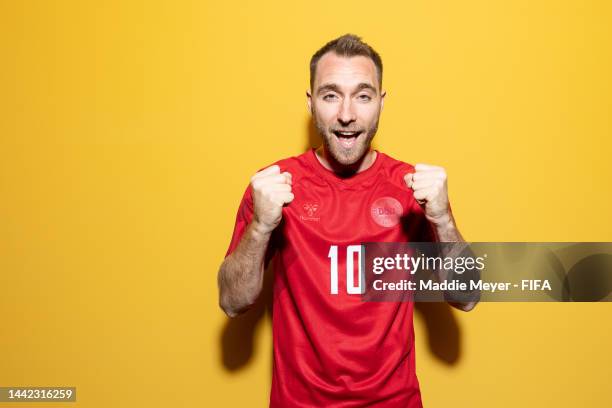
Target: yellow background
pixel 129 130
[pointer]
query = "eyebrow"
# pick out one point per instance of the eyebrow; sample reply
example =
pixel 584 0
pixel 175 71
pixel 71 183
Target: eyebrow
pixel 336 88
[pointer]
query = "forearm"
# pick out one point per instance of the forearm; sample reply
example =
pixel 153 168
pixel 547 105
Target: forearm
pixel 447 232
pixel 240 277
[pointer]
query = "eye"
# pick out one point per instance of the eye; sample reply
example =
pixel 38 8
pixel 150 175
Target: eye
pixel 364 97
pixel 329 97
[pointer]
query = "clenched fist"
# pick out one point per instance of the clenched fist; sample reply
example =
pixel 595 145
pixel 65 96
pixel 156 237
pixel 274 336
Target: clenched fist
pixel 430 191
pixel 271 190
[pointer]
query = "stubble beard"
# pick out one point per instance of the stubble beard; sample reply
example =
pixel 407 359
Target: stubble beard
pixel 343 156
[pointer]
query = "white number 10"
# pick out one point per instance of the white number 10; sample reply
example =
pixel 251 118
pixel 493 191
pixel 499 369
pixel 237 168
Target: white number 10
pixel 351 287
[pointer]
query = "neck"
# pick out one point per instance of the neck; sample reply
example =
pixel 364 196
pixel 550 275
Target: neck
pixel 364 163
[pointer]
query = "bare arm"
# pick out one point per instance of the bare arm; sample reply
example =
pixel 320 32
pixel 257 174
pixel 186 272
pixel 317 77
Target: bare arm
pixel 447 232
pixel 430 190
pixel 240 277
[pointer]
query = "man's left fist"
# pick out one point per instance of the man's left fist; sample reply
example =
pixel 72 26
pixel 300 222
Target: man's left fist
pixel 429 185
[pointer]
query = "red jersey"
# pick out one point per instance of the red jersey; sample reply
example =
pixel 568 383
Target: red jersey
pixel 331 349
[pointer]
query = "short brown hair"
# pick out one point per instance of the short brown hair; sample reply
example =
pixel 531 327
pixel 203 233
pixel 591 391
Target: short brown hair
pixel 348 45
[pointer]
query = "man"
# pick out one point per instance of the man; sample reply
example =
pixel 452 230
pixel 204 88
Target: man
pixel 331 349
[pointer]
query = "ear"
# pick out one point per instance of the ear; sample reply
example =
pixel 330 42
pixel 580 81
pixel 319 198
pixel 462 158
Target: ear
pixel 309 101
pixel 382 99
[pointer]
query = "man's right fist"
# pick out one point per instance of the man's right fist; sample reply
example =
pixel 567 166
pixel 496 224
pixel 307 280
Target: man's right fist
pixel 271 190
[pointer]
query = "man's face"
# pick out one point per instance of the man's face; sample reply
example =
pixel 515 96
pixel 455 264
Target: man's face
pixel 346 102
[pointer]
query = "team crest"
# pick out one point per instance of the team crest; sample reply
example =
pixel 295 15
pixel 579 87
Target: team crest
pixel 386 211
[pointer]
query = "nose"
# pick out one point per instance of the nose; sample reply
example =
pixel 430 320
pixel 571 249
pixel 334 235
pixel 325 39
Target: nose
pixel 346 115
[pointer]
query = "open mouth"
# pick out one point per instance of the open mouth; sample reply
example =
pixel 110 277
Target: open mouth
pixel 347 139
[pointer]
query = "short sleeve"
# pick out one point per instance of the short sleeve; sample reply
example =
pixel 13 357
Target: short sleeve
pixel 427 233
pixel 416 225
pixel 244 216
